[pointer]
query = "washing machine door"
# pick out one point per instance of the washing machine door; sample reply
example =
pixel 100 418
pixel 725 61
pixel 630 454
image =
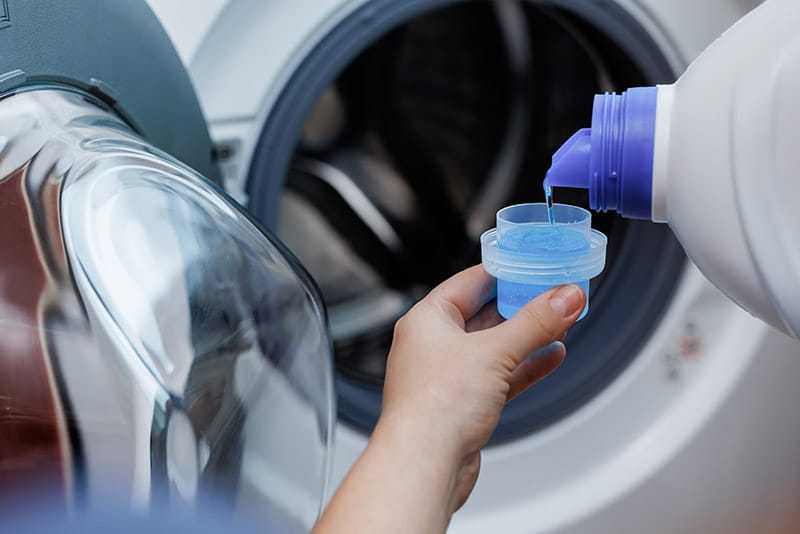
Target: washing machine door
pixel 158 346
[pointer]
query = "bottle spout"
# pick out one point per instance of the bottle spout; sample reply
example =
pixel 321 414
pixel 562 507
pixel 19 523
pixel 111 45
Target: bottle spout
pixel 571 163
pixel 613 159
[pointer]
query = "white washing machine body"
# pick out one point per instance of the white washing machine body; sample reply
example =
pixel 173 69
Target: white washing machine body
pixel 699 432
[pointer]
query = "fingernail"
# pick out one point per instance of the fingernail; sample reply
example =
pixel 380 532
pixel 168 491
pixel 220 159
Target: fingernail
pixel 567 300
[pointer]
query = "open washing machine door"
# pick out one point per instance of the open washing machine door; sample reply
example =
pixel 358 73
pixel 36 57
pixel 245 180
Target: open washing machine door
pixel 379 137
pixel 158 347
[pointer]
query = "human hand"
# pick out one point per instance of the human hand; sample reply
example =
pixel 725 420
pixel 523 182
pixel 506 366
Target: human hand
pixel 455 362
pixel 453 365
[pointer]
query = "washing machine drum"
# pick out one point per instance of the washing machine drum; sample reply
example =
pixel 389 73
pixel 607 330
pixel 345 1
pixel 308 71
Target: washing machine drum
pixel 400 134
pixel 157 345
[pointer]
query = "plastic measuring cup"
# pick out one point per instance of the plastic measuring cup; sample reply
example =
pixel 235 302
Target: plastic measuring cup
pixel 528 255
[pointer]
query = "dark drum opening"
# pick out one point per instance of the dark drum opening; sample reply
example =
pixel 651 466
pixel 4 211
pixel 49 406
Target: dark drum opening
pixel 417 133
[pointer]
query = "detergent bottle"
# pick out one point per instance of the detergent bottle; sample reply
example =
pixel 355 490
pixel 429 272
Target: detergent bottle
pixel 716 155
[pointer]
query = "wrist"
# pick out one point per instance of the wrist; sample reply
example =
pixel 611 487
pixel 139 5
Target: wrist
pixel 403 482
pixel 415 444
pixel 413 431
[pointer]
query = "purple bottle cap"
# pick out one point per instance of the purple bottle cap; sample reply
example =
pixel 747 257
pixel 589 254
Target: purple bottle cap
pixel 614 158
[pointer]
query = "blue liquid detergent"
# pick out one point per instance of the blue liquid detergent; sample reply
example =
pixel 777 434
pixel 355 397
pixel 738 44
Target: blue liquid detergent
pixel 548 198
pixel 540 239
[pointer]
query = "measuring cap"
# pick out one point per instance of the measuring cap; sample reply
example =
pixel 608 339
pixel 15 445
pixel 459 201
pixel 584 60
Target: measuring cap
pixel 528 255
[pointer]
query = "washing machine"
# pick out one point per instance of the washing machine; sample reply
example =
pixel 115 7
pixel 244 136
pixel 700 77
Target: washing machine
pixel 158 348
pixel 379 137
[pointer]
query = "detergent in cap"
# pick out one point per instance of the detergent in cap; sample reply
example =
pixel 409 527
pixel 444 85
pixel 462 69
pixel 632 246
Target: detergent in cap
pixel 529 254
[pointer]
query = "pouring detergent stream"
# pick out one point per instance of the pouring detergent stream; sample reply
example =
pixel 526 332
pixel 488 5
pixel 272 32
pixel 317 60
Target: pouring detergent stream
pixel 548 199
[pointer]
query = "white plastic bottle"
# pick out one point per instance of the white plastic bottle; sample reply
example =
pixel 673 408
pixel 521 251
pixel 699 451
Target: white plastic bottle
pixel 715 155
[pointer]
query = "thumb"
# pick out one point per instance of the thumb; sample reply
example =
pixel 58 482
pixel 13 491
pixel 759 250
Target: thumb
pixel 540 322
